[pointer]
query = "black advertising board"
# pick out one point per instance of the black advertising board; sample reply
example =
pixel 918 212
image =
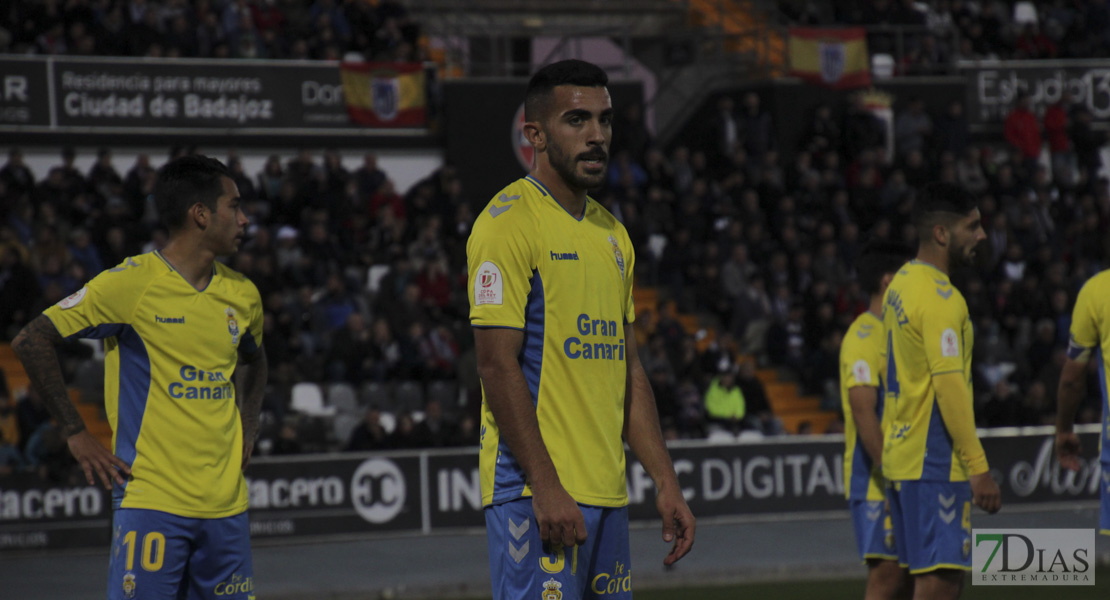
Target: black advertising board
pixel 331 495
pixel 64 98
pixel 327 495
pixel 992 86
pixel 24 93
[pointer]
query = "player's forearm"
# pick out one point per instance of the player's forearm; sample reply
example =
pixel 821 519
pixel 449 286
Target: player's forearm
pixel 642 430
pixel 868 429
pixel 252 377
pixel 35 347
pixel 510 401
pixel 955 404
pixel 1069 394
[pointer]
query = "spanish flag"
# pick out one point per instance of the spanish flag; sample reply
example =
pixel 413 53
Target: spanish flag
pixel 832 57
pixel 385 94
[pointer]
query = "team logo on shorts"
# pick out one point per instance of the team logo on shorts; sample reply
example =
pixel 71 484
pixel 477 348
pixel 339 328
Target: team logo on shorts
pixel 617 254
pixel 129 585
pixel 232 325
pixel 967 547
pixel 551 590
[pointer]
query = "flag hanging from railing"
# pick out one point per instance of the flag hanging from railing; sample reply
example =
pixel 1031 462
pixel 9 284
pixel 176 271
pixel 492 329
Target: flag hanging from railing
pixel 385 94
pixel 832 57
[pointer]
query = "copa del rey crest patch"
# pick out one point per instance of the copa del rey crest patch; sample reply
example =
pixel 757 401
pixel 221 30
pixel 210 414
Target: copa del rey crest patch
pixel 488 285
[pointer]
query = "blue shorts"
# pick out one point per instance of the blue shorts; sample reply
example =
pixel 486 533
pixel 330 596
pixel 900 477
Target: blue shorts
pixel 932 524
pixel 521 569
pixel 874 532
pixel 159 556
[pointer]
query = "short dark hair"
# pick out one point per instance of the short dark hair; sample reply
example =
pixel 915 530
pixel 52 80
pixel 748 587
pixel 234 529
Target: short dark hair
pixel 878 258
pixel 941 201
pixel 564 72
pixel 185 181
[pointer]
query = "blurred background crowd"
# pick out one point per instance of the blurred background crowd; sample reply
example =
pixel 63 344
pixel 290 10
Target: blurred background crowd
pixel 364 285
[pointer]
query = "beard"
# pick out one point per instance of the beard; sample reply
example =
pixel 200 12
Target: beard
pixel 566 167
pixel 959 258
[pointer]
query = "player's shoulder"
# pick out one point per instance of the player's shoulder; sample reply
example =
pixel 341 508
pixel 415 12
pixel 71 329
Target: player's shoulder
pixel 236 280
pixel 1098 285
pixel 864 331
pixel 133 270
pixel 513 207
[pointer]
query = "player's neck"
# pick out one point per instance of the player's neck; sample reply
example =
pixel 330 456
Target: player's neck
pixel 188 258
pixel 876 306
pixel 573 201
pixel 935 256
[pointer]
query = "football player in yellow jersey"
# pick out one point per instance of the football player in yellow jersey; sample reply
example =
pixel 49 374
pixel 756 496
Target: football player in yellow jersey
pixel 931 450
pixel 181 332
pixel 1090 334
pixel 861 383
pixel 551 308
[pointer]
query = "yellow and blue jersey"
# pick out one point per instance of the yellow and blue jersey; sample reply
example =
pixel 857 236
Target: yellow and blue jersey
pixel 861 355
pixel 1090 331
pixel 170 351
pixel 566 282
pixel 928 333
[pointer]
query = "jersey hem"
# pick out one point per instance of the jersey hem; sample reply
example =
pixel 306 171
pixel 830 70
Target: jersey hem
pixel 187 513
pixel 488 501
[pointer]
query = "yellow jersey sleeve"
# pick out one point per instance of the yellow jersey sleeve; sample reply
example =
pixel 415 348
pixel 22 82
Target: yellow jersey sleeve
pixel 861 357
pixel 629 254
pixel 106 301
pixel 253 340
pixel 1084 325
pixel 942 325
pixel 502 261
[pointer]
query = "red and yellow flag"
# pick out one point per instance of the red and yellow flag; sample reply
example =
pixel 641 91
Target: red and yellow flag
pixel 832 57
pixel 385 94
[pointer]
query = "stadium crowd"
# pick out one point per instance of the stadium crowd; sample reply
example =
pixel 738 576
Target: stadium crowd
pixel 289 29
pixel 927 36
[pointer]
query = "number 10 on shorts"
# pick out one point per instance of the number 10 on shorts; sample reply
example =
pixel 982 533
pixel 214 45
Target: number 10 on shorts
pixel 153 551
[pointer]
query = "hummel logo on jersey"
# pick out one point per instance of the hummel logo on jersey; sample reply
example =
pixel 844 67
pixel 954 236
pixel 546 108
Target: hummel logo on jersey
pixel 946 294
pixel 170 320
pixel 564 256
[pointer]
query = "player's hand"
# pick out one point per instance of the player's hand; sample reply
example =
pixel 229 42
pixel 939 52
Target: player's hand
pixel 985 493
pixel 558 516
pixel 678 523
pixel 95 458
pixel 1067 450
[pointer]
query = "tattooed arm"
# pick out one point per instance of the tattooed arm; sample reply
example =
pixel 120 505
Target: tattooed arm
pixel 251 375
pixel 35 347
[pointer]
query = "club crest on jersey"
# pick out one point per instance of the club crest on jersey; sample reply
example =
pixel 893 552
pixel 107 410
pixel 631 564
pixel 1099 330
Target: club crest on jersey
pixel 617 254
pixel 551 590
pixel 129 585
pixel 73 299
pixel 232 325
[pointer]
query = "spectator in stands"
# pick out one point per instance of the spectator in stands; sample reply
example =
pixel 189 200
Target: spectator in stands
pixel 757 128
pixel 1056 132
pixel 15 175
pixel 724 400
pixel 1024 134
pixel 369 434
pixel 911 128
pixel 862 129
pixel 759 416
pixel 1088 147
pixel 287 442
pixel 435 430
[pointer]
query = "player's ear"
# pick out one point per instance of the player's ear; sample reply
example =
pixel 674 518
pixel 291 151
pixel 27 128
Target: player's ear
pixel 941 234
pixel 200 215
pixel 535 135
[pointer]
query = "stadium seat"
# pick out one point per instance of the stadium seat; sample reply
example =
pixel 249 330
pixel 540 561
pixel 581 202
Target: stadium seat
pixel 409 397
pixel 375 394
pixel 309 400
pixel 342 397
pixel 1025 13
pixel 342 427
pixel 446 393
pixel 388 421
pixel 882 66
